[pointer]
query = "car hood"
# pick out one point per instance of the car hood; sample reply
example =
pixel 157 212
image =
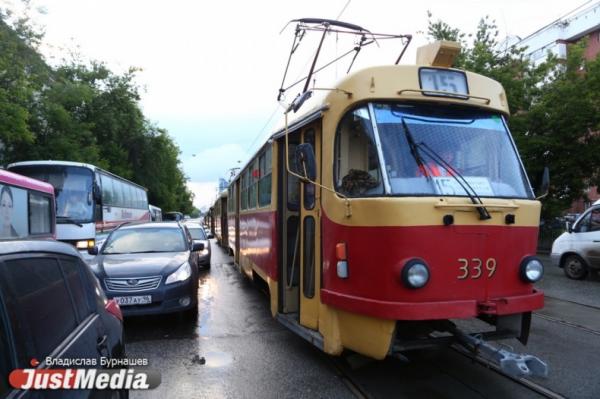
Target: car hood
pixel 142 264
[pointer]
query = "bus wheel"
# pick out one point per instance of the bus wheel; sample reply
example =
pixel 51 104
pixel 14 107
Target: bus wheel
pixel 575 267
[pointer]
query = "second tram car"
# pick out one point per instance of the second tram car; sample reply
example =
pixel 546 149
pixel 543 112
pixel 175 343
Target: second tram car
pixel 405 206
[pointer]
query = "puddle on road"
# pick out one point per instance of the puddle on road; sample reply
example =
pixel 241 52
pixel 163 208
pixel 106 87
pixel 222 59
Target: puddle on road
pixel 217 359
pixel 206 293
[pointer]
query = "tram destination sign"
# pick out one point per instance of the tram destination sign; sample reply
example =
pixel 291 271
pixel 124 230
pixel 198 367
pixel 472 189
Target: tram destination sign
pixel 443 80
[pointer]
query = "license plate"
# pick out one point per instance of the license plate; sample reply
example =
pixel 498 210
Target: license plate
pixel 133 300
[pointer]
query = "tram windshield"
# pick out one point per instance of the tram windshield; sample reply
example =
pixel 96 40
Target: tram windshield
pixel 417 149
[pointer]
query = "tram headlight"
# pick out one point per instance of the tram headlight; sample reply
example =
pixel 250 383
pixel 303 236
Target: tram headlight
pixel 415 274
pixel 531 269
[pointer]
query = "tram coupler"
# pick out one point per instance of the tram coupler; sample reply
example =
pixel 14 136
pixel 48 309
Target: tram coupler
pixel 514 364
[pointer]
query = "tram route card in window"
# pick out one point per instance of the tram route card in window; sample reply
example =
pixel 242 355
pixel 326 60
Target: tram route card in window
pixel 450 186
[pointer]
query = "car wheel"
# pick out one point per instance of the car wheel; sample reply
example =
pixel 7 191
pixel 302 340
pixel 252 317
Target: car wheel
pixel 575 267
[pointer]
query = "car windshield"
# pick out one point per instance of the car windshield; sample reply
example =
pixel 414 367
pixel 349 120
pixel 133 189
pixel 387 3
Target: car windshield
pixel 404 149
pixel 139 240
pixel 197 233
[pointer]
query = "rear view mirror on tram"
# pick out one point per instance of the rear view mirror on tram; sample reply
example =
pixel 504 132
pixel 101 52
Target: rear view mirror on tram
pixel 305 161
pixel 544 184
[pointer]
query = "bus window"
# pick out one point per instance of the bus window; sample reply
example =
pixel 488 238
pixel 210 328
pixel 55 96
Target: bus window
pixel 26 207
pixel 40 214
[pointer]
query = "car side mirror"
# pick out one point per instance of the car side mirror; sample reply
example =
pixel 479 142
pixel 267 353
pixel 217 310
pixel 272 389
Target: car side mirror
pixel 93 250
pixel 198 246
pixel 305 161
pixel 211 236
pixel 569 227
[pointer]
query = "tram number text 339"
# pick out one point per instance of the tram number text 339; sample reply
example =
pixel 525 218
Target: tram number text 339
pixel 475 268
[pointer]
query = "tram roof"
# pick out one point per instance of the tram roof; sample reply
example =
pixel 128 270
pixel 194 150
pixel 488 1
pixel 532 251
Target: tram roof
pixel 373 83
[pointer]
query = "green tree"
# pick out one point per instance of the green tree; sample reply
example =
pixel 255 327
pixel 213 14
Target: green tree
pixel 82 112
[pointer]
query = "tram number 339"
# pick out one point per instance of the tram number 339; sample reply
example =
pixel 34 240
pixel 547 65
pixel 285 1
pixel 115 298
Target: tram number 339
pixel 475 268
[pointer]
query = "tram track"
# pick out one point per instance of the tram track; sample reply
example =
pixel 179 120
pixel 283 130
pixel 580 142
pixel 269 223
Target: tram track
pixel 529 384
pixel 580 323
pixel 353 386
pixel 351 377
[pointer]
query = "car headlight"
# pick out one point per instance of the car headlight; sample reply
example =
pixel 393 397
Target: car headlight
pixel 531 269
pixel 415 274
pixel 181 274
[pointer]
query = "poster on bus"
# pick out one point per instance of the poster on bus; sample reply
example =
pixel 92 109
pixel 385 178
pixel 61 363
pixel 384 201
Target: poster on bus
pixel 13 212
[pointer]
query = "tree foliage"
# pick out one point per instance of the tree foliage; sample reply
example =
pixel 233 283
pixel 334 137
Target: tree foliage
pixel 82 112
pixel 555 107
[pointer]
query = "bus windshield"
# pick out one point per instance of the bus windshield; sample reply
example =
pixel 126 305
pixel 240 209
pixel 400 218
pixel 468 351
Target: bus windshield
pixel 73 189
pixel 428 150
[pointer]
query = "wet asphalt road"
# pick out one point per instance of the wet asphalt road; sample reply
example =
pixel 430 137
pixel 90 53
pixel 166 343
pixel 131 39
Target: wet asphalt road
pixel 235 349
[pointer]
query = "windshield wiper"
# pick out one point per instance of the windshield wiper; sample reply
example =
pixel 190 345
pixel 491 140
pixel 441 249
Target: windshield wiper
pixel 475 198
pixel 414 149
pixel 69 220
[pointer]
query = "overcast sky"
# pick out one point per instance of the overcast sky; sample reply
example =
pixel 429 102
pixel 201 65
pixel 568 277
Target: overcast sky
pixel 211 69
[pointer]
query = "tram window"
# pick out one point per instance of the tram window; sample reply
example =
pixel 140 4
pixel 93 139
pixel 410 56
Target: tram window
pixel 308 261
pixel 293 257
pixel 264 184
pixel 253 183
pixel 357 170
pixel 309 188
pixel 244 190
pixel 293 184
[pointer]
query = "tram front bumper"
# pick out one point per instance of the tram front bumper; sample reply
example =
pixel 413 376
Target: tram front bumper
pixel 457 309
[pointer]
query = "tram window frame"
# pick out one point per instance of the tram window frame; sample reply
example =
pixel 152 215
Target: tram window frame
pixel 370 155
pixel 265 170
pixel 308 189
pixel 308 255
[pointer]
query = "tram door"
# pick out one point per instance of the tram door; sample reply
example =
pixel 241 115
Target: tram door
pixel 236 210
pixel 224 229
pixel 289 222
pixel 301 241
pixel 310 253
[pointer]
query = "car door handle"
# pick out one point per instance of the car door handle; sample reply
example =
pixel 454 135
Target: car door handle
pixel 596 240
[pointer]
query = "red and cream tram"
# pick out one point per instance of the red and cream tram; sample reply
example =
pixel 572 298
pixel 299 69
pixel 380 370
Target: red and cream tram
pixel 405 206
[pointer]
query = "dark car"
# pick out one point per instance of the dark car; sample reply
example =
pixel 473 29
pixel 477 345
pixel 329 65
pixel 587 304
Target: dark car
pixel 149 268
pixel 173 216
pixel 199 236
pixel 51 305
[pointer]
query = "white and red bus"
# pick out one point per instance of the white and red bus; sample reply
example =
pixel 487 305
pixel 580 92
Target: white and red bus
pixel 27 208
pixel 89 200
